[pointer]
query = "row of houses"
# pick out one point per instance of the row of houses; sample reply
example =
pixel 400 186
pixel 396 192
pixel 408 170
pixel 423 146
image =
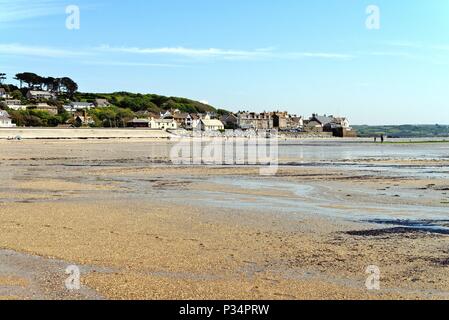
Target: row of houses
pixel 172 120
pixel 77 106
pixel 41 106
pixel 281 121
pixel 175 119
pixel 77 109
pixel 32 95
pixel 263 121
pixel 338 126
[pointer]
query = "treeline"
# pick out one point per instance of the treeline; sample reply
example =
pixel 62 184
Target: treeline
pixel 33 81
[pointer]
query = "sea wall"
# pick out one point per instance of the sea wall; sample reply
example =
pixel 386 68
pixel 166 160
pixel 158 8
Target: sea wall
pixel 63 133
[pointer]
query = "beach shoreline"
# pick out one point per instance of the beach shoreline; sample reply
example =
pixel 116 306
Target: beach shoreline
pixel 140 228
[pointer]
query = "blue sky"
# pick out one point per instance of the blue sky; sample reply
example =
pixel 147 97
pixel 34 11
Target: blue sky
pixel 297 55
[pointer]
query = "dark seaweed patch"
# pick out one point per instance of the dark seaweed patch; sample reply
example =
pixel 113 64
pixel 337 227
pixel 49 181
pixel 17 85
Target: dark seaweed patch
pixel 386 231
pixel 444 262
pixel 405 227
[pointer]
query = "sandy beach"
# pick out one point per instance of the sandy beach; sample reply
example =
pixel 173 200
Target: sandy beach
pixel 141 228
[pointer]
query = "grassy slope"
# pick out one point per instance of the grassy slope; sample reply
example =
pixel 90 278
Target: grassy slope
pixel 149 102
pixel 404 131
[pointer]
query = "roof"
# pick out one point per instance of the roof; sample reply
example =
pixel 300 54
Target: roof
pixel 12 101
pixel 164 120
pixel 83 104
pixel 212 122
pixel 4 114
pixel 323 120
pixel 340 120
pixel 36 92
pixel 312 123
pixel 153 115
pixel 139 121
pixel 227 116
pixel 296 119
pixel 181 115
pixel 45 106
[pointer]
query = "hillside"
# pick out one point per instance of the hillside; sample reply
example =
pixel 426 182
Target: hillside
pixel 404 131
pixel 124 107
pixel 149 102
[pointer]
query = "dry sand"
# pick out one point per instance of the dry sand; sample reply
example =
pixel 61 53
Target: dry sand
pixel 152 231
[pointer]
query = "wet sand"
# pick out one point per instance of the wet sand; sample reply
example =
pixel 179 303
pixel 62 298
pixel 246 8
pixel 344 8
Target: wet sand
pixel 140 228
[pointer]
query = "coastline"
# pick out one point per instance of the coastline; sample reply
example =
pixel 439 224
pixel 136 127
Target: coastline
pixel 156 135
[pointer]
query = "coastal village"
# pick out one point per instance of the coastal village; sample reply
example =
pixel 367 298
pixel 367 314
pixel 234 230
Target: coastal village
pixel 55 107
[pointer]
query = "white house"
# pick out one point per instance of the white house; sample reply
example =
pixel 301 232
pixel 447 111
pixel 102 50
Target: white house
pixel 13 102
pixel 3 94
pixel 5 120
pixel 75 106
pixel 295 122
pixel 84 120
pixel 17 107
pixel 343 122
pixel 36 94
pixel 210 125
pixel 14 105
pixel 44 107
pixel 163 124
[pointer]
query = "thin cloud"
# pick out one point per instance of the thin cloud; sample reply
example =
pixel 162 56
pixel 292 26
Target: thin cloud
pixel 405 44
pixel 131 64
pixel 95 59
pixel 226 54
pixel 419 45
pixel 38 51
pixel 196 54
pixel 320 55
pixel 186 52
pixel 18 10
pixel 390 54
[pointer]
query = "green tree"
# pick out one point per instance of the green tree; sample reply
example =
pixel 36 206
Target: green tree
pixel 70 86
pixel 17 94
pixel 31 79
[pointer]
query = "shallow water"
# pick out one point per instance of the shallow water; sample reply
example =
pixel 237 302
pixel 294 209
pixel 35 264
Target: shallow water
pixel 344 151
pixel 67 160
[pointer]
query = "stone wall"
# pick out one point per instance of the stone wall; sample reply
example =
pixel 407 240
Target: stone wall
pixel 62 133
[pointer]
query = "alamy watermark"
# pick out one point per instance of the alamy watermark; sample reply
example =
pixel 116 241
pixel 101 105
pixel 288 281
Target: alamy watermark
pixel 73 282
pixel 73 20
pixel 373 20
pixel 373 281
pixel 229 148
